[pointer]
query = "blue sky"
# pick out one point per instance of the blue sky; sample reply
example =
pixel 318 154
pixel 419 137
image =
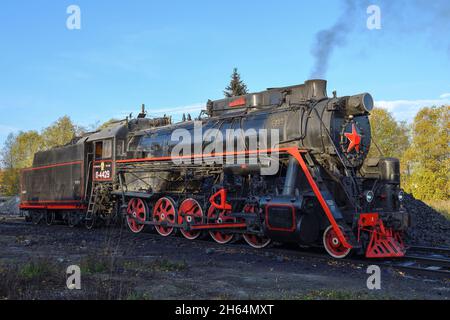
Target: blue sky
pixel 174 55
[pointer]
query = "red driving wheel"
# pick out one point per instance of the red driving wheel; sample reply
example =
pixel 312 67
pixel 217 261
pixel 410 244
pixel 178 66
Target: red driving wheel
pixel 164 211
pixel 254 240
pixel 333 245
pixel 220 216
pixel 136 212
pixel 190 212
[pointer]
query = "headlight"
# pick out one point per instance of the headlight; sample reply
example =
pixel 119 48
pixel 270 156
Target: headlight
pixel 401 196
pixel 369 196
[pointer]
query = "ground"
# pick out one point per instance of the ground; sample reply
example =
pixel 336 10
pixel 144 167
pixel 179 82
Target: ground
pixel 116 264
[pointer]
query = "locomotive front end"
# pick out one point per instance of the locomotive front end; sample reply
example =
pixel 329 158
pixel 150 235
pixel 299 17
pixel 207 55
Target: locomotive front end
pixel 382 219
pixel 372 200
pixel 361 194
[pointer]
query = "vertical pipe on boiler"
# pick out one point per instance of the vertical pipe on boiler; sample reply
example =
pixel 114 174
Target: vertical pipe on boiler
pixel 291 177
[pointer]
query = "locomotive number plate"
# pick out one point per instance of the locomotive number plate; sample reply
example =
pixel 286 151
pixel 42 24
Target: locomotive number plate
pixel 103 171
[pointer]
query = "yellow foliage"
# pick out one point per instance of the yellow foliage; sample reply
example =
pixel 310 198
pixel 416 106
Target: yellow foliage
pixel 18 151
pixel 389 135
pixel 59 133
pixel 428 158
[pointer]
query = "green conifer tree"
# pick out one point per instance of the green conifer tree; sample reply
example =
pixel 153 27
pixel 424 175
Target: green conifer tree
pixel 236 87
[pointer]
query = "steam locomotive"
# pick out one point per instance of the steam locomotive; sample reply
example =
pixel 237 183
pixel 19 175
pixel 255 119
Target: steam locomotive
pixel 148 172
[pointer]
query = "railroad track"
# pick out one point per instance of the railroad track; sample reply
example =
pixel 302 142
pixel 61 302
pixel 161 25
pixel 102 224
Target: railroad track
pixel 419 259
pixel 424 259
pixel 433 250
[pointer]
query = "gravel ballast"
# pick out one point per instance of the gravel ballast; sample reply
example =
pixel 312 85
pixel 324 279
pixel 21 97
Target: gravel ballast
pixel 429 227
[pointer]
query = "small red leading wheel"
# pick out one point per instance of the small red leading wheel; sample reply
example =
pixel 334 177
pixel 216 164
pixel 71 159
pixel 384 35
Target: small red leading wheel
pixel 136 210
pixel 164 211
pixel 220 216
pixel 333 245
pixel 254 240
pixel 190 212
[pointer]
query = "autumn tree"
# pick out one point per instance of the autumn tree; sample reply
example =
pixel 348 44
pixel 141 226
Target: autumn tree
pixel 19 149
pixel 428 157
pixel 10 176
pixel 26 144
pixel 10 181
pixel 236 87
pixel 6 154
pixel 2 182
pixel 107 124
pixel 389 135
pixel 59 133
pixel 18 153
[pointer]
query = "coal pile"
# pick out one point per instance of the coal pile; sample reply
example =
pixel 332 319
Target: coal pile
pixel 10 207
pixel 429 227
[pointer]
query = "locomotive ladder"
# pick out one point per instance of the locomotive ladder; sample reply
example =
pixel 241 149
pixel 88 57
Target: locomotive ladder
pixel 92 202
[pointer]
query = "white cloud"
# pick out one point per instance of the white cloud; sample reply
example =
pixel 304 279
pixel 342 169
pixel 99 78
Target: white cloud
pixel 405 110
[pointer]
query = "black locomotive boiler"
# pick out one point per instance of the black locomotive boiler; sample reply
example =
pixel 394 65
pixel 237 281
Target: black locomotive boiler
pixel 325 190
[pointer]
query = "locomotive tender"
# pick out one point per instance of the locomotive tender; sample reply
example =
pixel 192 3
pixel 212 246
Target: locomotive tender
pixel 325 190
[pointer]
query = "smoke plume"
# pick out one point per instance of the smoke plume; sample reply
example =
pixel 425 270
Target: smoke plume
pixel 399 17
pixel 328 40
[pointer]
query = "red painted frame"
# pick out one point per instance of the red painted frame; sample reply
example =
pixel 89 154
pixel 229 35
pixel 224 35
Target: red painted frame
pixel 294 219
pixel 210 226
pixel 223 205
pixel 293 151
pixel 53 207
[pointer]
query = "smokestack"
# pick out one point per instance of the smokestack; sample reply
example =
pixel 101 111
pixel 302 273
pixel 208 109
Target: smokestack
pixel 316 89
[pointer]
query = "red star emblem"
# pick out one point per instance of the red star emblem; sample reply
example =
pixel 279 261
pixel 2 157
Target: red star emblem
pixel 354 138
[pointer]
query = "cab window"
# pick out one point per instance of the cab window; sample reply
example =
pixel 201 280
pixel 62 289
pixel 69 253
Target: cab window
pixel 103 149
pixel 107 149
pixel 120 148
pixel 98 149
